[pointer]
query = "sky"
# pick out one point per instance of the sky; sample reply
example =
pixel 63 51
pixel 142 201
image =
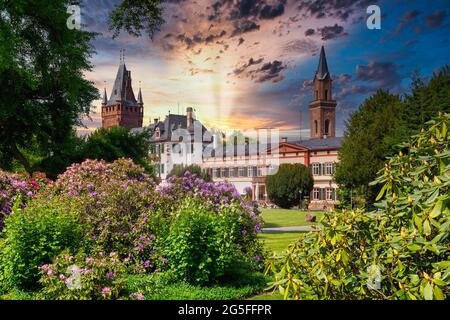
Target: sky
pixel 245 64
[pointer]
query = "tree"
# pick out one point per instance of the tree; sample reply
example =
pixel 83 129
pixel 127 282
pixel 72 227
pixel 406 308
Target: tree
pixel 284 187
pixel 115 143
pixel 134 16
pixel 375 131
pixel 179 170
pixel 368 139
pixel 43 92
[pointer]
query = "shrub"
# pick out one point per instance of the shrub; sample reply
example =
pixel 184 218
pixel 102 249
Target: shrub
pixel 83 277
pixel 179 170
pixel 284 187
pixel 203 246
pixel 113 201
pixel 398 252
pixel 33 236
pixel 15 187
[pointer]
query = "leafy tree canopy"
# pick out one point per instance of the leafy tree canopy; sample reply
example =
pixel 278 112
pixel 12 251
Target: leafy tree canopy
pixel 179 170
pixel 284 187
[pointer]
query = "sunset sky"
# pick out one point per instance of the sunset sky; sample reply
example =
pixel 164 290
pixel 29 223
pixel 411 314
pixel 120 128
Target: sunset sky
pixel 249 63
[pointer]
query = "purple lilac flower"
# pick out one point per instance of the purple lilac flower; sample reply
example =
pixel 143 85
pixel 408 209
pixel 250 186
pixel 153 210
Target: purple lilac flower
pixel 106 291
pixel 164 260
pixel 110 275
pixel 257 258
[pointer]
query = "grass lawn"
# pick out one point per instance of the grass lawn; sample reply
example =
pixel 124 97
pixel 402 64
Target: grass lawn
pixel 286 217
pixel 278 242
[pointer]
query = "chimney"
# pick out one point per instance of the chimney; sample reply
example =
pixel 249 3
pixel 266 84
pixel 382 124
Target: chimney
pixel 284 139
pixel 189 117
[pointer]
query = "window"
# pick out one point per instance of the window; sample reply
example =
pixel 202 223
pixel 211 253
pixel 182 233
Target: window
pixel 329 168
pixel 234 172
pixel 243 172
pixel 255 171
pixel 158 133
pixel 317 94
pixel 326 94
pixel 162 168
pixel 316 194
pixel 327 126
pixel 329 194
pixel 225 172
pixel 259 172
pixel 316 129
pixel 316 169
pixel 216 173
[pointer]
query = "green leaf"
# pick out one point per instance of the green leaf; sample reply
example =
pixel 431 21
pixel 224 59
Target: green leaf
pixel 437 209
pixel 426 228
pixel 381 193
pixel 428 292
pixel 439 295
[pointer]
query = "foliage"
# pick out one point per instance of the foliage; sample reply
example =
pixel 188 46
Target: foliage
pixel 160 286
pixel 113 201
pixel 368 139
pixel 203 246
pixel 284 187
pixel 406 240
pixel 134 16
pixel 83 277
pixel 17 188
pixel 33 236
pixel 179 170
pixel 43 91
pixel 376 129
pixel 115 143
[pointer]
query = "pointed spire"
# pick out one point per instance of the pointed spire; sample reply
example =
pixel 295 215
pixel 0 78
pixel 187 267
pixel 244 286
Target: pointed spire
pixel 322 69
pixel 140 100
pixel 105 96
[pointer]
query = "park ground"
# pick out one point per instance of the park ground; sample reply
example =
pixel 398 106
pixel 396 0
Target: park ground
pixel 277 242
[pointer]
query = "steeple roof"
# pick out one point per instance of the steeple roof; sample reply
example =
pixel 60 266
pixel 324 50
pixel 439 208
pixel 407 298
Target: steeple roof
pixel 122 90
pixel 140 100
pixel 105 97
pixel 322 70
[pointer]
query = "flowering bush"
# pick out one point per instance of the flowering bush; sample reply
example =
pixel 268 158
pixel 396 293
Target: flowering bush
pixel 83 277
pixel 204 246
pixel 15 187
pixel 33 236
pixel 113 201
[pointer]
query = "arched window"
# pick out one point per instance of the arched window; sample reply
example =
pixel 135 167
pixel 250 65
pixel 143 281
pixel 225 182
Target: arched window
pixel 326 94
pixel 317 95
pixel 315 126
pixel 327 126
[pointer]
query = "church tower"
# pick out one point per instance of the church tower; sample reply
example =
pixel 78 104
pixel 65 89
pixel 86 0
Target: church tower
pixel 322 110
pixel 122 109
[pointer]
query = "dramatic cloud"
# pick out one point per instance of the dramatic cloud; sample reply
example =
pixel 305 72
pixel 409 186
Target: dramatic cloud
pixel 384 74
pixel 301 46
pixel 340 9
pixel 269 72
pixel 331 32
pixel 244 67
pixel 270 12
pixel 309 32
pixel 353 90
pixel 435 19
pixel 244 26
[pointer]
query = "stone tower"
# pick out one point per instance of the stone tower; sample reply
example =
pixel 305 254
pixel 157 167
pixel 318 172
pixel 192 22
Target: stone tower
pixel 322 110
pixel 122 109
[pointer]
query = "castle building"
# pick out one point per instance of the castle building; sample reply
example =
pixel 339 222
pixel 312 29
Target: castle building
pixel 320 153
pixel 122 109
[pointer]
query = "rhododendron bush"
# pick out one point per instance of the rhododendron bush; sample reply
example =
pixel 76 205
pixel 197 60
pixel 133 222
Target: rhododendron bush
pixel 14 187
pixel 123 210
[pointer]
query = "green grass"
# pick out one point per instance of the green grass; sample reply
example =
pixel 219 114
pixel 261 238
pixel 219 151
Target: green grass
pixel 279 241
pixel 286 217
pixel 160 287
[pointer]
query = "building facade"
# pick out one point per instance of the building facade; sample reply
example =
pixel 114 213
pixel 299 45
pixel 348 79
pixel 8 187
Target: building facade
pixel 320 153
pixel 122 109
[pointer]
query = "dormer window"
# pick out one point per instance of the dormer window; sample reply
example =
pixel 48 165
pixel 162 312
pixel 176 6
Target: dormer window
pixel 157 133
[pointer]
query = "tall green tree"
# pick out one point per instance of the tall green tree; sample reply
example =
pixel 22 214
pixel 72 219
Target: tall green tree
pixel 43 92
pixel 284 187
pixel 368 140
pixel 117 142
